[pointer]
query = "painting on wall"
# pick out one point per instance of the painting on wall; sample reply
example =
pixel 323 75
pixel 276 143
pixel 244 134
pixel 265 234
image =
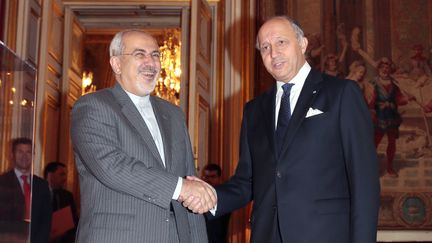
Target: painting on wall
pixel 406 160
pixel 405 152
pixel 390 57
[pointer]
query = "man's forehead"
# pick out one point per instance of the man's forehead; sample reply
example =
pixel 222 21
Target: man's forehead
pixel 60 169
pixel 279 24
pixel 274 35
pixel 134 38
pixel 23 146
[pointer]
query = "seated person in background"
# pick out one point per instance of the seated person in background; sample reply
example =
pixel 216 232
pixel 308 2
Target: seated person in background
pixel 55 174
pixel 23 199
pixel 216 228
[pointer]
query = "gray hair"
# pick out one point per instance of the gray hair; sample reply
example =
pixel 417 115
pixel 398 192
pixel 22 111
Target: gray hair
pixel 294 24
pixel 116 46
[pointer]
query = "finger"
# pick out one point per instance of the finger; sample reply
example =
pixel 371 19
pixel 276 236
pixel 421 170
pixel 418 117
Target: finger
pixel 208 194
pixel 193 178
pixel 195 205
pixel 203 210
pixel 211 193
pixel 209 203
pixel 188 201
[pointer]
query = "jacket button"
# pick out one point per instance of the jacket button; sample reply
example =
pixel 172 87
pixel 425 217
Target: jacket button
pixel 278 174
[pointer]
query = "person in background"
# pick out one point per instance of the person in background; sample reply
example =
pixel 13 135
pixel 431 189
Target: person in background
pixel 385 100
pixel 307 155
pixel 357 72
pixel 333 64
pixel 24 198
pixel 132 152
pixel 217 229
pixel 55 174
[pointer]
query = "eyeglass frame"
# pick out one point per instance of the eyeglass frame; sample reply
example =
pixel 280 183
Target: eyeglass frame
pixel 140 54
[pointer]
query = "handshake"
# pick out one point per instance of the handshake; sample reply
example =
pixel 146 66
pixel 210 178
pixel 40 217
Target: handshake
pixel 197 195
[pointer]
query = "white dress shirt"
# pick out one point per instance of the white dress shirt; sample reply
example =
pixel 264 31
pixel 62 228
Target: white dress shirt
pixel 145 109
pixel 18 175
pixel 298 82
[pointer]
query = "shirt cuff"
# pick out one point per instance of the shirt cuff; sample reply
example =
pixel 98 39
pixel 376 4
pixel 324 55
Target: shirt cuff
pixel 213 210
pixel 178 189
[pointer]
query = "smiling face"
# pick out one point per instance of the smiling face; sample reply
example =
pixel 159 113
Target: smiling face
pixel 137 67
pixel 281 51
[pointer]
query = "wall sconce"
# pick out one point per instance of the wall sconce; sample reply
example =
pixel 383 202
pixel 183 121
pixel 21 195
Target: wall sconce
pixel 87 80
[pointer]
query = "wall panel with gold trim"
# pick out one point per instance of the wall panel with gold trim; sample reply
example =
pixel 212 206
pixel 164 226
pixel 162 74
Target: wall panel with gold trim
pixel 49 84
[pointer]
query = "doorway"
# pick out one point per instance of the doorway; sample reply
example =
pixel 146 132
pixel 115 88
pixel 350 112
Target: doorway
pixel 90 28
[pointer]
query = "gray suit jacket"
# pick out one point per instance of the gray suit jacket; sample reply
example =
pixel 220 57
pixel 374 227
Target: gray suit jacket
pixel 125 189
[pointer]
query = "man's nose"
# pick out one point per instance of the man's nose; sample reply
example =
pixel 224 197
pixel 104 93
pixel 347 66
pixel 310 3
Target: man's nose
pixel 274 52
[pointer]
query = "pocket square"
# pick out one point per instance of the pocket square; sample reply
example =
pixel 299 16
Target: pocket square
pixel 313 112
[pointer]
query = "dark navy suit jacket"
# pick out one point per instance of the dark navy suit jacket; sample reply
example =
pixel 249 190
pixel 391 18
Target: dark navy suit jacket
pixel 12 208
pixel 324 184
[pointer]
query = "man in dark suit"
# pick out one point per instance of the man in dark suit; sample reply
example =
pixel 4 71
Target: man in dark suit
pixel 307 155
pixel 55 174
pixel 132 151
pixel 17 210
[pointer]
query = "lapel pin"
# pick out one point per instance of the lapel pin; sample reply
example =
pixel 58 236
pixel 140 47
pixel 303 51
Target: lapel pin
pixel 314 92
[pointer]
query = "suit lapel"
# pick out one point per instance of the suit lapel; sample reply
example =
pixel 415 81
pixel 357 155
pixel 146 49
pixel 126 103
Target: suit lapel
pixel 164 128
pixel 15 186
pixel 15 181
pixel 132 114
pixel 308 93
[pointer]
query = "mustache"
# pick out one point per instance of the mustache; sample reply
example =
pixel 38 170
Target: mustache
pixel 148 68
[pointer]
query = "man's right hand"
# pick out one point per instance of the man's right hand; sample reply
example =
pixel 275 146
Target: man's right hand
pixel 197 195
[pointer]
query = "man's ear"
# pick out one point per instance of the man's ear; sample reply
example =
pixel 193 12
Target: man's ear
pixel 304 44
pixel 115 64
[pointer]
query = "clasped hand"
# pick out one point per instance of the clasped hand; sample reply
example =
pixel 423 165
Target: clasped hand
pixel 197 195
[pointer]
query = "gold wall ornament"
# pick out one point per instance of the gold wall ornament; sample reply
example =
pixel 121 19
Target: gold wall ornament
pixel 87 80
pixel 168 84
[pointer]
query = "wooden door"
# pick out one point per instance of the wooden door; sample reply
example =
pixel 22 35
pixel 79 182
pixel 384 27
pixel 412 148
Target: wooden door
pixel 199 81
pixel 71 90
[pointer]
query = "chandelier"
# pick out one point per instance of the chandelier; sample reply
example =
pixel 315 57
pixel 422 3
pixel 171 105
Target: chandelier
pixel 87 86
pixel 168 84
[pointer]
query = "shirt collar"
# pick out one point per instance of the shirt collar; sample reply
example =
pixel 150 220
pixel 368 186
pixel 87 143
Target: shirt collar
pixel 138 99
pixel 18 173
pixel 298 79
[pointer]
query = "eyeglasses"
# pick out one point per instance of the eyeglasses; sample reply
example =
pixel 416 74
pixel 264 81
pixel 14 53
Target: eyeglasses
pixel 140 55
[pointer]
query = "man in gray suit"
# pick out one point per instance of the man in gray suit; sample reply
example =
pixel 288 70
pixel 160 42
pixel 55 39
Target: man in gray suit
pixel 132 152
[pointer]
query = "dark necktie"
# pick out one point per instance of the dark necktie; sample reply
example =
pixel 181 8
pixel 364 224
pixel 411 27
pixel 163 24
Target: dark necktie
pixel 284 116
pixel 27 198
